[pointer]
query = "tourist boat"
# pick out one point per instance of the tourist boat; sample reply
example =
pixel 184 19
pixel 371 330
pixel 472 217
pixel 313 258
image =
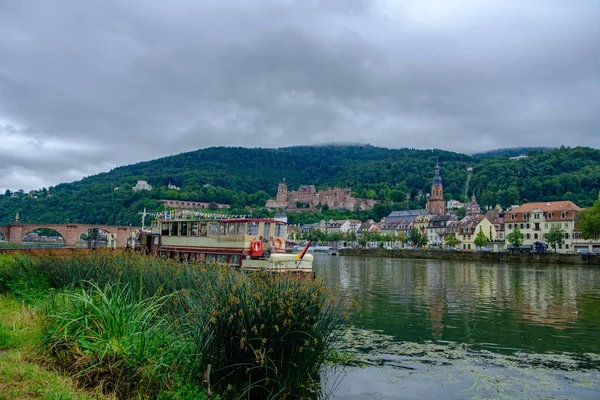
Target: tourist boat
pixel 245 243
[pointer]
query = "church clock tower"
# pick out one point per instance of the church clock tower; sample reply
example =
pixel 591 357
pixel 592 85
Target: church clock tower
pixel 436 204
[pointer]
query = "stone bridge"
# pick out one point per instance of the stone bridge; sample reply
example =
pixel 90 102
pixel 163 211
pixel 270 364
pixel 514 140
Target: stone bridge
pixel 70 233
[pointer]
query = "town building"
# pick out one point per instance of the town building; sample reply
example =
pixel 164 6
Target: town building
pixel 454 204
pixel 308 198
pixel 170 186
pixel 470 226
pixel 435 203
pixel 473 207
pixel 436 230
pixel 421 223
pixel 405 216
pixel 535 220
pixel 142 185
pixel 451 229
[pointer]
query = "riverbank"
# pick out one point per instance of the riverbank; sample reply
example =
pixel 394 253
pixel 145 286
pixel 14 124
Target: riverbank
pixel 553 258
pixel 128 326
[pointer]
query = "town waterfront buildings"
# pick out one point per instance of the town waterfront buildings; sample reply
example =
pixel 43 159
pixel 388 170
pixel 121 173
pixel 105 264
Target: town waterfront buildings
pixel 534 220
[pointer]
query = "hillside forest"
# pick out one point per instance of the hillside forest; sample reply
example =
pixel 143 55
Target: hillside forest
pixel 246 178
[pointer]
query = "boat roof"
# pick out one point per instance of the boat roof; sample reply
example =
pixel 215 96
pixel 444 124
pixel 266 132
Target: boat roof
pixel 252 220
pixel 227 220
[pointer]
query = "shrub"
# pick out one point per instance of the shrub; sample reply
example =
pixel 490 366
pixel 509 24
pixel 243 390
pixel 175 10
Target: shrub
pixel 268 335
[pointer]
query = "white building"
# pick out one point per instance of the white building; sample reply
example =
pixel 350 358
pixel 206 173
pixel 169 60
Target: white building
pixel 535 220
pixel 142 185
pixel 450 204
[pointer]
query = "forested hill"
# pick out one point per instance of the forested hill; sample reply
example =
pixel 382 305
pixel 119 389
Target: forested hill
pixel 511 151
pixel 248 177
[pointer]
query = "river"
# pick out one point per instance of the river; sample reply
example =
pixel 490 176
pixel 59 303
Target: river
pixel 431 329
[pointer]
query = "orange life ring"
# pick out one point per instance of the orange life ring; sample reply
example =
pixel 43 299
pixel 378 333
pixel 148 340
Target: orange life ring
pixel 256 246
pixel 278 243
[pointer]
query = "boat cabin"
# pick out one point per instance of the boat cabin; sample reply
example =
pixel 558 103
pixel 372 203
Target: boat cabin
pixel 226 241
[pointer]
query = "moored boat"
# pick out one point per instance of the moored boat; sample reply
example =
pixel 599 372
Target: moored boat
pixel 245 243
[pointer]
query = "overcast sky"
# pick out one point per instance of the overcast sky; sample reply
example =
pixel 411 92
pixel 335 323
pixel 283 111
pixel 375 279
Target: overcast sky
pixel 86 86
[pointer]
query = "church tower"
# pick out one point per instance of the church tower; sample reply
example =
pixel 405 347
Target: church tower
pixel 436 204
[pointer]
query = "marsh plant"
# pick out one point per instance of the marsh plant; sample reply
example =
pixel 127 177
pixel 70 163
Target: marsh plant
pixel 113 338
pixel 128 322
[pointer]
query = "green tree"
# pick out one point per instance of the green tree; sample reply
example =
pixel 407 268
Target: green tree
pixel 589 222
pixel 402 238
pixel 515 238
pixel 414 237
pixel 481 240
pixel 555 236
pixel 461 213
pixel 423 240
pixel 451 241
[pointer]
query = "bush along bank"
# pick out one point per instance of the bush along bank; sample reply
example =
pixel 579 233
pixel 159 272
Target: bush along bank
pixel 135 326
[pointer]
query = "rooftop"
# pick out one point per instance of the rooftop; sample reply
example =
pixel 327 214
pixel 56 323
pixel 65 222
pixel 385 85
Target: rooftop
pixel 546 206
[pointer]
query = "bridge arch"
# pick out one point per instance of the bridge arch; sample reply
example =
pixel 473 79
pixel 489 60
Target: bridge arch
pixel 97 237
pixel 43 237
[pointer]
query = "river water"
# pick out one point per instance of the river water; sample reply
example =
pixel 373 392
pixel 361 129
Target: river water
pixel 431 329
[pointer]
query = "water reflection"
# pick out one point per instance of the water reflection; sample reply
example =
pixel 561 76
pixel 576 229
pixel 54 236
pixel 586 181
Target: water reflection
pixel 501 307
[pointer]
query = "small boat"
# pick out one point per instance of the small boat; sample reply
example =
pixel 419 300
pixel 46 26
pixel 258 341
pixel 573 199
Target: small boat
pixel 319 249
pixel 245 243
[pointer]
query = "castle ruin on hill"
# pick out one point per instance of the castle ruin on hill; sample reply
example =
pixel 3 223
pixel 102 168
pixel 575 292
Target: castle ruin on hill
pixel 308 198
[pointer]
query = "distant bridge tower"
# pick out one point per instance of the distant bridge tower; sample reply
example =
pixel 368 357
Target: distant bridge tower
pixel 469 175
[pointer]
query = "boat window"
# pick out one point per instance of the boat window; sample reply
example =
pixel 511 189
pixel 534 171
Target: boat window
pixel 210 258
pixel 234 259
pixel 222 258
pixel 200 256
pixel 231 229
pixel 280 230
pixel 174 230
pixel 213 229
pixel 194 229
pixel 165 229
pixel 267 230
pixel 221 229
pixel 252 228
pixel 203 229
pixel 184 229
pixel 240 229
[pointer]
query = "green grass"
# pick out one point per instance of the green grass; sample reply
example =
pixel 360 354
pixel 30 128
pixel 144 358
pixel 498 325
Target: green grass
pixel 20 376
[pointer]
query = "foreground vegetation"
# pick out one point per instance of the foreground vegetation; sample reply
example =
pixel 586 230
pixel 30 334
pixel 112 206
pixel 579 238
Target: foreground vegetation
pixel 129 326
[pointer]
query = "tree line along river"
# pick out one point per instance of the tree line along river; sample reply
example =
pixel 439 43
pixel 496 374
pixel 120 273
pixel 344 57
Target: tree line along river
pixel 426 328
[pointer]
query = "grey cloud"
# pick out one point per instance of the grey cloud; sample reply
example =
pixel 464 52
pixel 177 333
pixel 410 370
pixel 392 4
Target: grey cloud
pixel 124 81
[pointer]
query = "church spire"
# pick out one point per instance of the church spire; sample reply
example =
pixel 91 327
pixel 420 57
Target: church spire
pixel 437 179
